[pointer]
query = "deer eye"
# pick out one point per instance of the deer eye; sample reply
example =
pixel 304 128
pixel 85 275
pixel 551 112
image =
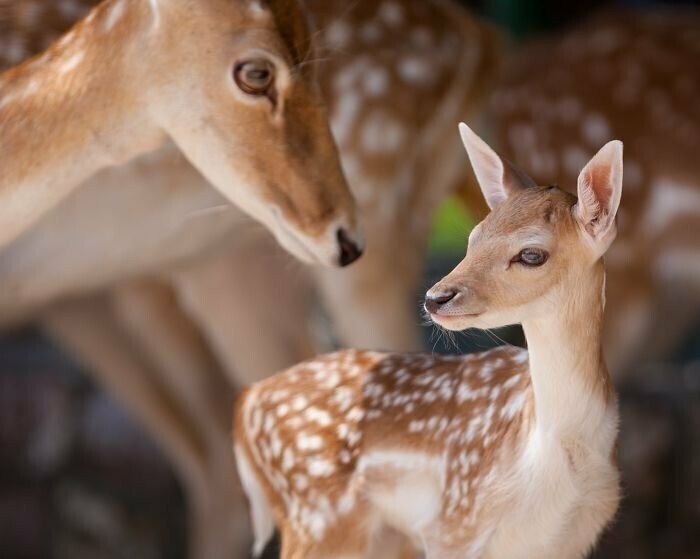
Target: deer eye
pixel 254 77
pixel 531 257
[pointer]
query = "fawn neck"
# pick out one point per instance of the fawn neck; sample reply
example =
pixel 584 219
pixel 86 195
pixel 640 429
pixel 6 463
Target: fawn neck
pixel 71 111
pixel 569 377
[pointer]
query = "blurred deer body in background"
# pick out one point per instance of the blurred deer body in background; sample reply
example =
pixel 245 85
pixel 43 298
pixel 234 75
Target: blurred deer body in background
pixel 157 217
pixel 367 97
pixel 227 101
pixel 632 76
pixel 507 453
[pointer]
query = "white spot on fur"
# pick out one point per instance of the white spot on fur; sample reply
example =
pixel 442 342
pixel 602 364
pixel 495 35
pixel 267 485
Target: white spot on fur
pixel 681 264
pixel 346 503
pixel 416 426
pixel 299 403
pixel 391 13
pixel 257 8
pixel 596 129
pixel 282 410
pixel 301 482
pixel 70 36
pixel 21 93
pixel 287 459
pixel 309 442
pixel 319 416
pixel 317 525
pixel 355 414
pixel 574 159
pixel 513 406
pixel 338 34
pixel 319 467
pixel 669 200
pixel 71 63
pixel 115 13
pixel 343 430
pixel 415 70
pixel 344 116
pixel 376 81
pixel 155 11
pixel 381 134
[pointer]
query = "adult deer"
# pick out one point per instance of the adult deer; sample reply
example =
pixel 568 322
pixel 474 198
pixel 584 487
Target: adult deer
pixel 243 105
pixel 550 114
pixel 506 453
pixel 134 338
pixel 240 102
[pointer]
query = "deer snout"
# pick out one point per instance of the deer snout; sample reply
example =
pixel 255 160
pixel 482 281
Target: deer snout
pixel 349 248
pixel 435 300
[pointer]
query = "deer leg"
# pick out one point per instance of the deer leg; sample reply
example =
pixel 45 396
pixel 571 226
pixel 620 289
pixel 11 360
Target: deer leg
pixel 88 329
pixel 390 543
pixel 181 358
pixel 253 304
pixel 347 540
pixel 148 311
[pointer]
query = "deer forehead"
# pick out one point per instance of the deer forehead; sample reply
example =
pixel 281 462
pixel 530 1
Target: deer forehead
pixel 536 215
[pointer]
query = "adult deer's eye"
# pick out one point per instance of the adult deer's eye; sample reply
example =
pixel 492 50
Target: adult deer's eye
pixel 254 77
pixel 532 257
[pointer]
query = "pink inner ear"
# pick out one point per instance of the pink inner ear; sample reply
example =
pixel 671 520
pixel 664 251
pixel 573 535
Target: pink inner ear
pixel 599 181
pixel 595 196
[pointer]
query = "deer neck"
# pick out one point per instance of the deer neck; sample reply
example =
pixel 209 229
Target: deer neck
pixel 72 111
pixel 572 389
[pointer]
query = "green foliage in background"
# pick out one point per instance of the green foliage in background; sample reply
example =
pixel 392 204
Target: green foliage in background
pixel 451 227
pixel 522 19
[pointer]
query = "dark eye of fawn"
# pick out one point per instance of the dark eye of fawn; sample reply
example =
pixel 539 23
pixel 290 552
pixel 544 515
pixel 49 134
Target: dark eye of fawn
pixel 531 257
pixel 254 76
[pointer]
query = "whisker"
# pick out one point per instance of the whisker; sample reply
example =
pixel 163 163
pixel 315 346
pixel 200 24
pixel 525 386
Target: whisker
pixel 313 61
pixel 319 30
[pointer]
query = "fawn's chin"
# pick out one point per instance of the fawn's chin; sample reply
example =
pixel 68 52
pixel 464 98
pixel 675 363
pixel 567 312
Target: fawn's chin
pixel 456 321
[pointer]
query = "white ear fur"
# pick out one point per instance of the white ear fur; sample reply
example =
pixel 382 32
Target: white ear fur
pixel 497 177
pixel 599 192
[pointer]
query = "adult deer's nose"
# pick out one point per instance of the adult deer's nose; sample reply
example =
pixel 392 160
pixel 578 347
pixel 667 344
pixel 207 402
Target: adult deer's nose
pixel 433 301
pixel 350 250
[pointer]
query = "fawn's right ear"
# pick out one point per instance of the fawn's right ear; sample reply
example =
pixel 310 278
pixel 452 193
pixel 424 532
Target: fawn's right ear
pixel 497 177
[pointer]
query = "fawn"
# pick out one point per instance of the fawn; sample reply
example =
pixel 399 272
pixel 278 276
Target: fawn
pixel 502 454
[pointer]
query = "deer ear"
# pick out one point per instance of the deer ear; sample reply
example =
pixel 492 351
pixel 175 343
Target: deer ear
pixel 599 191
pixel 497 177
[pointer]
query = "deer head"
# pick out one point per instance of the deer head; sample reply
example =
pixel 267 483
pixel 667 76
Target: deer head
pixel 237 92
pixel 535 242
pixel 232 83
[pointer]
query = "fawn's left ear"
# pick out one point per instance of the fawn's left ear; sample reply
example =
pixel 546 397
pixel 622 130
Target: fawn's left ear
pixel 599 191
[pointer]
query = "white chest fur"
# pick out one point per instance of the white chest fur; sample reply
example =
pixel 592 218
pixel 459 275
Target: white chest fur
pixel 561 492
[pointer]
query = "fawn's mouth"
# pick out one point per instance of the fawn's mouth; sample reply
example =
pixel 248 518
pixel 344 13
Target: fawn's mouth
pixel 445 319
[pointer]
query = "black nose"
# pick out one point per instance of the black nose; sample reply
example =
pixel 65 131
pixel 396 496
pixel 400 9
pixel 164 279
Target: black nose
pixel 434 302
pixel 349 251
